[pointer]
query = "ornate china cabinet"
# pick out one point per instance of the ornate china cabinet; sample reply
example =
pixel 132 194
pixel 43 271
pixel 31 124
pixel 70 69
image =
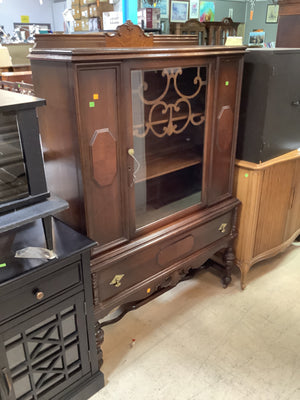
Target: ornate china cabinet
pixel 139 136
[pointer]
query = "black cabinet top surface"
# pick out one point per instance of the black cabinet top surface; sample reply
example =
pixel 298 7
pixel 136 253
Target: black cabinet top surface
pixel 16 101
pixel 66 241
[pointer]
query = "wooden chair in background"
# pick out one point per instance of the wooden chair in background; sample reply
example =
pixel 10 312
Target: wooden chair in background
pixel 194 27
pixel 218 31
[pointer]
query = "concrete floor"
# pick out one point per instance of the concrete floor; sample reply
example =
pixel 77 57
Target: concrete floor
pixel 200 342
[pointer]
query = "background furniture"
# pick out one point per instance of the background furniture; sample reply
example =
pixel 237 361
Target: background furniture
pixel 20 76
pixel 267 171
pixel 194 27
pixel 46 321
pixel 5 58
pixel 209 33
pixel 218 31
pixel 144 142
pixel 22 174
pixel 19 53
pixel 13 57
pixel 270 104
pixel 269 218
pixel 288 32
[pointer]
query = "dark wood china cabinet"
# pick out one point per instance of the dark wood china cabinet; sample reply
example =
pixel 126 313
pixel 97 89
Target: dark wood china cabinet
pixel 139 136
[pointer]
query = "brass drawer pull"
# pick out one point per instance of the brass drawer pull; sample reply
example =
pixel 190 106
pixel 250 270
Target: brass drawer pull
pixel 39 295
pixel 116 282
pixel 222 228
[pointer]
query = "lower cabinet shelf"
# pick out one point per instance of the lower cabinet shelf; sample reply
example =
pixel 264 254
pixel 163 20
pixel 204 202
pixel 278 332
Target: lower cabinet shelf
pixel 47 346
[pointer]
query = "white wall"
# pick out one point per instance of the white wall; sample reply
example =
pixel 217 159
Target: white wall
pixel 11 11
pixel 223 6
pixel 58 8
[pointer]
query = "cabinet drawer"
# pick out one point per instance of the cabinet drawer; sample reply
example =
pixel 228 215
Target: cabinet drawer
pixel 153 258
pixel 40 290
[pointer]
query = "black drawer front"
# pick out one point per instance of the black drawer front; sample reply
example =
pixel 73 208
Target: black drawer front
pixel 40 290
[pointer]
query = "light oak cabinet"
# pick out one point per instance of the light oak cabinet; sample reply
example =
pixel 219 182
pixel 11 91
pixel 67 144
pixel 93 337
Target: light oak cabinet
pixel 269 217
pixel 139 134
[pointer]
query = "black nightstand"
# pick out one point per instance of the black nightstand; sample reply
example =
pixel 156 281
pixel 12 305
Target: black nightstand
pixel 47 341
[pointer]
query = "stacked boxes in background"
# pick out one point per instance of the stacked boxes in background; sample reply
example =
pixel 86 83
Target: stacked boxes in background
pixel 88 14
pixel 149 18
pixel 76 14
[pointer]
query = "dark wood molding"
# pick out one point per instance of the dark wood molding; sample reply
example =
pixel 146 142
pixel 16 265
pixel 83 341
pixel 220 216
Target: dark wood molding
pixel 128 35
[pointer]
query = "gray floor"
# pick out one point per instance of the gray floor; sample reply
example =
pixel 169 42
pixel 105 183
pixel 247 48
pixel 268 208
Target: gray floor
pixel 200 341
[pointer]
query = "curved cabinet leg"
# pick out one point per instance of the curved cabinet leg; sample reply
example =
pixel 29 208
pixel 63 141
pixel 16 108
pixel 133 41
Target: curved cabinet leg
pixel 244 268
pixel 99 334
pixel 229 258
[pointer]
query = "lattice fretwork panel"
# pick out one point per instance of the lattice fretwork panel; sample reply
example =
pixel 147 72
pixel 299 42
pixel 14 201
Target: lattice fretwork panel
pixel 45 355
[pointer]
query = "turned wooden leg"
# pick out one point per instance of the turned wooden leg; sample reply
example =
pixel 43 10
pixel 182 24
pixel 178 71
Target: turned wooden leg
pixel 99 334
pixel 229 258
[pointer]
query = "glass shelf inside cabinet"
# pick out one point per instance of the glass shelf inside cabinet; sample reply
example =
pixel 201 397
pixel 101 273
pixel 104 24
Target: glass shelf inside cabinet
pixel 168 112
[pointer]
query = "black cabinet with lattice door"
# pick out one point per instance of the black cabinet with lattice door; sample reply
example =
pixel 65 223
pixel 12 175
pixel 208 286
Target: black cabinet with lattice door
pixel 47 342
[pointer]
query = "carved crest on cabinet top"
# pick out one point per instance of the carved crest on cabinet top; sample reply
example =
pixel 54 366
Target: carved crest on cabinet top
pixel 128 35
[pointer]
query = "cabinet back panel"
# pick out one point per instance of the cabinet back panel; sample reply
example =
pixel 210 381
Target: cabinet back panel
pixel 97 95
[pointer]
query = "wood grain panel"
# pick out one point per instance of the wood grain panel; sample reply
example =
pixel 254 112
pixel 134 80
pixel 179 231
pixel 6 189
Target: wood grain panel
pixel 59 138
pixel 225 129
pixel 140 264
pixel 288 31
pixel 247 188
pixel 276 192
pixel 175 250
pixel 293 217
pixel 104 157
pixel 269 217
pixel 97 96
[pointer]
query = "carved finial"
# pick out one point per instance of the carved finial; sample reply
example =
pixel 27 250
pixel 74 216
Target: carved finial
pixel 128 35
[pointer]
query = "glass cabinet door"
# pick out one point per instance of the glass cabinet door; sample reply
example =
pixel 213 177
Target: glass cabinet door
pixel 168 113
pixel 13 180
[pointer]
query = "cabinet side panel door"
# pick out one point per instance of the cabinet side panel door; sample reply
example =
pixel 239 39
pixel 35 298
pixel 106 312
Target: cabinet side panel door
pixel 100 148
pixel 227 99
pixel 293 218
pixel 57 124
pixel 275 201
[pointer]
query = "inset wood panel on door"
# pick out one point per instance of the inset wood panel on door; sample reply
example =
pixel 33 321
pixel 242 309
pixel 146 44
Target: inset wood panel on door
pixel 273 212
pixel 227 87
pixel 98 102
